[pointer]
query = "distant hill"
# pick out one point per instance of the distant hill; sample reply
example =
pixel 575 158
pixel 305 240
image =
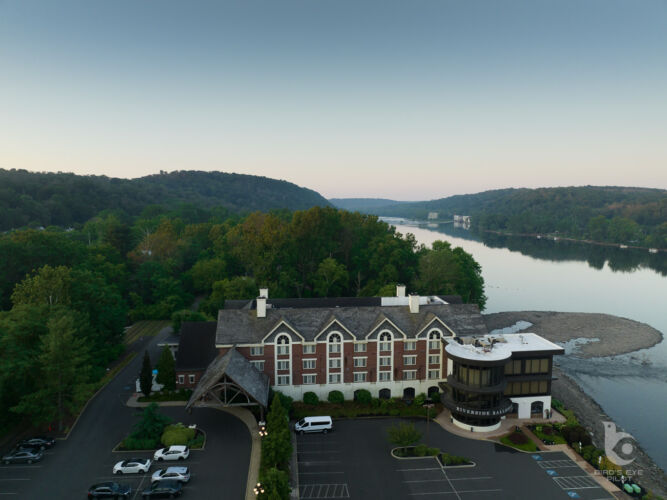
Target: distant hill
pixel 363 204
pixel 63 199
pixel 626 215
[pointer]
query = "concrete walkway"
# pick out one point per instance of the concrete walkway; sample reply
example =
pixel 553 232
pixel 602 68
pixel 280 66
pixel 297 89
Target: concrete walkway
pixel 133 402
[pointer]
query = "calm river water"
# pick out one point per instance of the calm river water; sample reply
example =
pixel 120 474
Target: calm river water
pixel 540 275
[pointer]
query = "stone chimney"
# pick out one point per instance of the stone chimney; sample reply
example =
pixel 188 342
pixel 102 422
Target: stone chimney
pixel 264 292
pixel 413 301
pixel 400 290
pixel 261 307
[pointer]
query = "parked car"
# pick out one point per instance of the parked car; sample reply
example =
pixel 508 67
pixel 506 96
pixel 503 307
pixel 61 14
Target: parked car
pixel 176 452
pixel 132 466
pixel 19 456
pixel 314 424
pixel 109 490
pixel 163 489
pixel 180 474
pixel 43 442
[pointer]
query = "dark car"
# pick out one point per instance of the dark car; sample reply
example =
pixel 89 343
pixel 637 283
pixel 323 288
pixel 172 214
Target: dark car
pixel 109 490
pixel 43 442
pixel 19 456
pixel 163 489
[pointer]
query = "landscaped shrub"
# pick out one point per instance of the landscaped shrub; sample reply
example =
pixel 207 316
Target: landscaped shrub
pixel 420 399
pixel 285 401
pixel 518 437
pixel 132 443
pixel 432 451
pixel 177 434
pixel 404 434
pixel 335 397
pixel 435 397
pixel 363 396
pixel 310 398
pixel 576 434
pixel 448 459
pixel 420 450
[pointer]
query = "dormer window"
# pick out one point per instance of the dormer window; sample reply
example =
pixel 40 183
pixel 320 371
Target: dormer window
pixel 385 341
pixel 434 340
pixel 334 343
pixel 283 344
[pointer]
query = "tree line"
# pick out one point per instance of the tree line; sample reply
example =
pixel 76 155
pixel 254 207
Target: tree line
pixel 67 294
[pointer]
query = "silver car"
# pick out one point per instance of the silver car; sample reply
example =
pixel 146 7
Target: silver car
pixel 180 474
pixel 24 456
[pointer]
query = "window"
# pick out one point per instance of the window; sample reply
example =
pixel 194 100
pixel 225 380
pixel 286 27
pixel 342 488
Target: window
pixel 283 379
pixel 283 344
pixel 360 376
pixel 409 374
pixel 537 365
pixel 258 365
pixel 334 343
pixel 411 345
pixel 385 360
pixel 513 367
pixel 309 379
pixel 309 348
pixel 385 341
pixel 181 379
pixel 334 378
pixel 434 374
pixel 257 351
pixel 409 360
pixel 434 359
pixel 191 378
pixel 309 364
pixel 360 362
pixel 360 347
pixel 283 365
pixel 334 363
pixel 434 341
pixel 384 376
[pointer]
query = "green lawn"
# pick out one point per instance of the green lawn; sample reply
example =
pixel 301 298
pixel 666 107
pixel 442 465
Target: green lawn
pixel 144 329
pixel 529 446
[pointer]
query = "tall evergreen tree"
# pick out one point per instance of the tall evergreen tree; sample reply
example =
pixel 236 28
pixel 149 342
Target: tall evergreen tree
pixel 146 376
pixel 166 369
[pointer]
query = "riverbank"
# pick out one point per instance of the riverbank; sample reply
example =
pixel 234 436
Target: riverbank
pixel 605 335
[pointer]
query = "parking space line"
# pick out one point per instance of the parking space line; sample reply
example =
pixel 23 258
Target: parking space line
pixel 469 478
pixel 312 491
pixel 410 470
pixel 426 481
pixel 15 479
pixel 21 466
pixel 315 473
pixel 450 484
pixel 576 482
pixel 454 492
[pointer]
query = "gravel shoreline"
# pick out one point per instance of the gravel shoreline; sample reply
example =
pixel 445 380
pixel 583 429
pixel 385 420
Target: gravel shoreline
pixel 613 337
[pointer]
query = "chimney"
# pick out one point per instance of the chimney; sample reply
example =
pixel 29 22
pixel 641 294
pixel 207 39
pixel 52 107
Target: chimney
pixel 413 301
pixel 400 290
pixel 261 307
pixel 264 292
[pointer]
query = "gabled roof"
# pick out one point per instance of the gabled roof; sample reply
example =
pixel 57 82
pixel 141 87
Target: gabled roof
pixel 196 347
pixel 242 326
pixel 237 368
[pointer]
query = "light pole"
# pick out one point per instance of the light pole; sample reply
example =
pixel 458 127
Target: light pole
pixel 428 404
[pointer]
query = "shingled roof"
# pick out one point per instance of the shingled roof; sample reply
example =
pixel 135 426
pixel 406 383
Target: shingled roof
pixel 242 326
pixel 196 347
pixel 237 368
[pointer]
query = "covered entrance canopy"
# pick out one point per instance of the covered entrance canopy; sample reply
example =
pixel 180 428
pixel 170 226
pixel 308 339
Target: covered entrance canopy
pixel 230 380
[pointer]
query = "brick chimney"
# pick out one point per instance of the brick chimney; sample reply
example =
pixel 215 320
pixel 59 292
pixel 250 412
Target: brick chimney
pixel 413 301
pixel 400 290
pixel 261 307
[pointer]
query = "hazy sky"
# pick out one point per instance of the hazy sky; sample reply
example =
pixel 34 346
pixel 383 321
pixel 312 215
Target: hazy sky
pixel 405 100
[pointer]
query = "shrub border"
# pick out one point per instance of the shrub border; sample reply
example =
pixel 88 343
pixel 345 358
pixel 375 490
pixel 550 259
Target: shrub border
pixel 116 449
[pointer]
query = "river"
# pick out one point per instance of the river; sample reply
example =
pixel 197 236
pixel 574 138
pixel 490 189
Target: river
pixel 523 273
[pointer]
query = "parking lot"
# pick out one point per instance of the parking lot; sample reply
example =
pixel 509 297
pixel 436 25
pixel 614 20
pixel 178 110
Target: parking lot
pixel 354 462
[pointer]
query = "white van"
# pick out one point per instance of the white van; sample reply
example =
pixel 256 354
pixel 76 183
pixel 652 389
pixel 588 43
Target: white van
pixel 314 424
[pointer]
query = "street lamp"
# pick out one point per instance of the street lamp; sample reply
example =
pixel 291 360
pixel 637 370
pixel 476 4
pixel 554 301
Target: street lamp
pixel 263 432
pixel 428 404
pixel 258 489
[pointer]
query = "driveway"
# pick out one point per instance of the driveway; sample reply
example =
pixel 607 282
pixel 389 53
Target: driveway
pixel 85 458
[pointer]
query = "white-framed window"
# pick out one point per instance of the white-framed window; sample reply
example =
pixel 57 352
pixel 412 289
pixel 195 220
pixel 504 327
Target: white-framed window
pixel 410 360
pixel 283 364
pixel 283 379
pixel 360 347
pixel 257 351
pixel 434 359
pixel 360 362
pixel 309 379
pixel 334 343
pixel 434 341
pixel 181 379
pixel 258 365
pixel 334 378
pixel 309 348
pixel 434 374
pixel 385 360
pixel 360 376
pixel 411 345
pixel 309 364
pixel 409 374
pixel 334 362
pixel 283 344
pixel 384 376
pixel 191 378
pixel 385 341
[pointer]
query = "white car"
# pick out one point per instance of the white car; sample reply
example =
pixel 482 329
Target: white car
pixel 180 474
pixel 132 466
pixel 176 452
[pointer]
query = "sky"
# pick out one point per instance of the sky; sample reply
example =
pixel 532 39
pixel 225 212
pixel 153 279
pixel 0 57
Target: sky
pixel 408 100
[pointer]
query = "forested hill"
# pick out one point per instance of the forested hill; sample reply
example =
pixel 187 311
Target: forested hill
pixel 362 204
pixel 608 214
pixel 63 199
